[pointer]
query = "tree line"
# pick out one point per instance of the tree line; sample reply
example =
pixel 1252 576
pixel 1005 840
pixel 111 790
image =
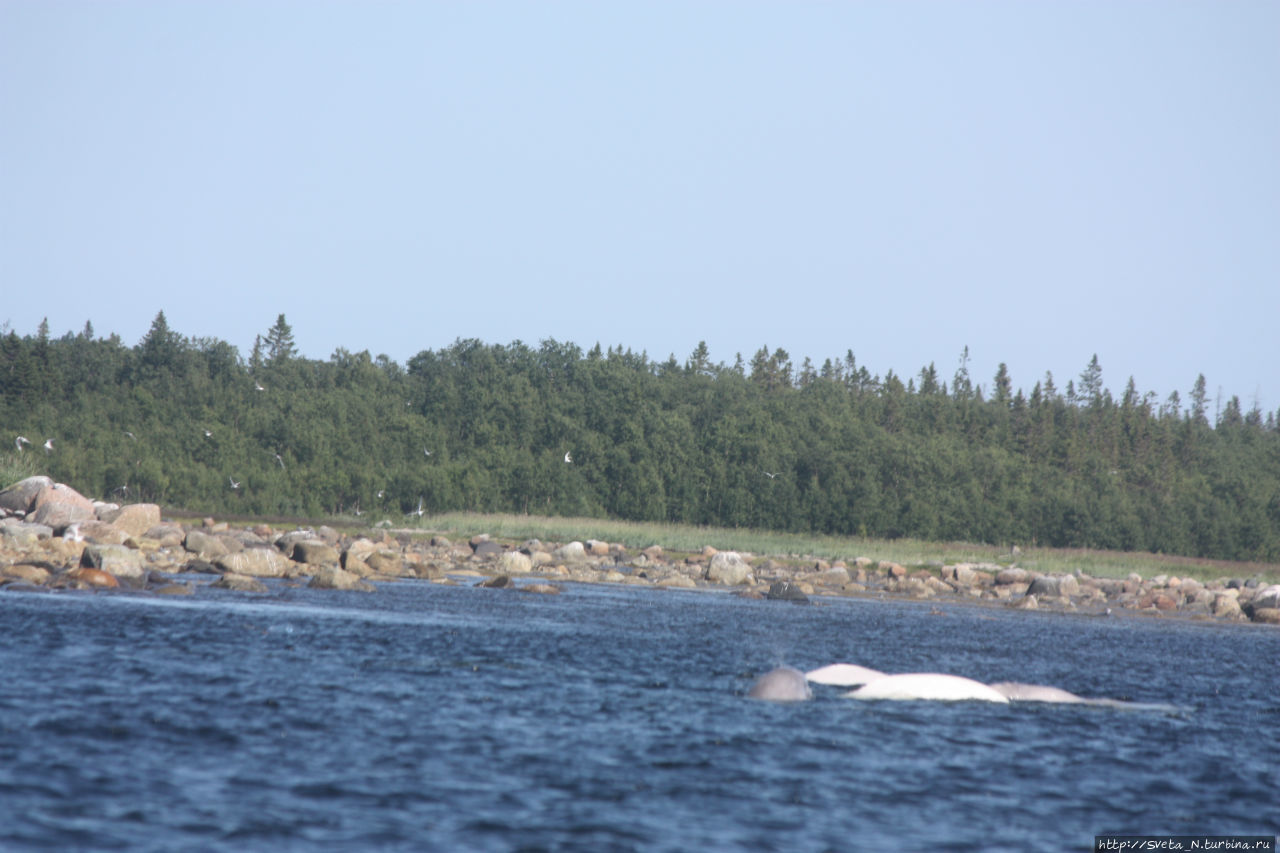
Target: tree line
pixel 830 448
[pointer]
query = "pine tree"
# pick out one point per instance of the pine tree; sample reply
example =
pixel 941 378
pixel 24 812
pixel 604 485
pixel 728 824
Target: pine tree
pixel 1003 386
pixel 1199 402
pixel 279 341
pixel 1090 388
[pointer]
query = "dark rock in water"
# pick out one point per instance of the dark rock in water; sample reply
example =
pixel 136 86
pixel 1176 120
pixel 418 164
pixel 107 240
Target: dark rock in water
pixel 203 567
pixel 786 591
pixel 500 582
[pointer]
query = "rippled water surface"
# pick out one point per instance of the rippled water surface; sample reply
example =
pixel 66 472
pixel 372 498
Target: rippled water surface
pixel 426 717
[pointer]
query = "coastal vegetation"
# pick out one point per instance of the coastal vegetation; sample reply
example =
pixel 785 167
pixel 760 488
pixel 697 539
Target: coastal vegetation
pixel 830 450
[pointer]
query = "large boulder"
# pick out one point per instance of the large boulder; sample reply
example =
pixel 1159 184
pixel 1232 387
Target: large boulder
pixel 314 552
pixel 117 559
pixel 515 563
pixel 728 568
pixel 101 532
pixel 332 577
pixel 385 561
pixel 59 505
pixel 20 496
pixel 206 545
pixel 1049 585
pixel 573 552
pixel 1268 596
pixel 254 562
pixel 134 519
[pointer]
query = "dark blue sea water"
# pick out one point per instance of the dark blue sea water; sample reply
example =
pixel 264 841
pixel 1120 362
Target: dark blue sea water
pixel 426 717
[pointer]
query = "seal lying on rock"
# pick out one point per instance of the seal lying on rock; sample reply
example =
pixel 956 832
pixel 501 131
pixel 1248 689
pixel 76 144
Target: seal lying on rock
pixel 783 684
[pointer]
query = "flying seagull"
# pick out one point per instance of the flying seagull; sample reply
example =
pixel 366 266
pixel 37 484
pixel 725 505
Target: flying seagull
pixel 21 440
pixel 258 387
pixel 208 434
pixel 769 474
pixel 281 461
pixel 568 458
pixel 428 452
pixel 234 484
pixel 418 512
pixel 131 435
pixel 48 445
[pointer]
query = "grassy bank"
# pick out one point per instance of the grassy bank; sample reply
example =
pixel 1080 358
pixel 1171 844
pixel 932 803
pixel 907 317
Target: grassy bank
pixel 797 546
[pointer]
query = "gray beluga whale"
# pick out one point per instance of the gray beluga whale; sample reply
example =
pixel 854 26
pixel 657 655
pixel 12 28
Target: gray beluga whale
pixel 928 685
pixel 783 684
pixel 843 675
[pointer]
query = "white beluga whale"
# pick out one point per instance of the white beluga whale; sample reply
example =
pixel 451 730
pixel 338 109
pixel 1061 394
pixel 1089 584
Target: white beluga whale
pixel 783 684
pixel 1017 691
pixel 843 675
pixel 928 685
pixel 786 684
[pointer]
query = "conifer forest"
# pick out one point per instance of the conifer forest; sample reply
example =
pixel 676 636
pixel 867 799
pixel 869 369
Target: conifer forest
pixel 550 429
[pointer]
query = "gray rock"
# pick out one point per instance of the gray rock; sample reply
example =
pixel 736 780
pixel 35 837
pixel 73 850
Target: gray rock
pixel 728 568
pixel 384 561
pixel 1268 596
pixel 515 563
pixel 573 552
pixel 60 505
pixel 24 535
pixel 332 577
pixel 832 577
pixel 786 591
pixel 207 545
pixel 487 548
pixel 314 552
pixel 134 519
pixel 255 562
pixel 239 583
pixel 21 495
pixel 1054 585
pixel 1011 575
pixel 117 559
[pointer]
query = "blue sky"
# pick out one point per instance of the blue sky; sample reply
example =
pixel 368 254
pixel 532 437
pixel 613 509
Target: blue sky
pixel 1036 181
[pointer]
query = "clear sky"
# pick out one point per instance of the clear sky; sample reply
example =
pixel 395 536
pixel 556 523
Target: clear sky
pixel 1037 181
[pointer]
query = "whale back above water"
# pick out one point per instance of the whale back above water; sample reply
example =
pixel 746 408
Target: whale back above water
pixel 1019 692
pixel 783 684
pixel 927 685
pixel 843 675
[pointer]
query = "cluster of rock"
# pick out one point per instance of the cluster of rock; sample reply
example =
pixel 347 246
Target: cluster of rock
pixel 53 537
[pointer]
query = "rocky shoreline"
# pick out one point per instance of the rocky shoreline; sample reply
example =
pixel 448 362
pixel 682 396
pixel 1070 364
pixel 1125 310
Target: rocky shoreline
pixel 54 538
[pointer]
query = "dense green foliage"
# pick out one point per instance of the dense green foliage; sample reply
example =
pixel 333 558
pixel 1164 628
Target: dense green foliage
pixel 831 450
